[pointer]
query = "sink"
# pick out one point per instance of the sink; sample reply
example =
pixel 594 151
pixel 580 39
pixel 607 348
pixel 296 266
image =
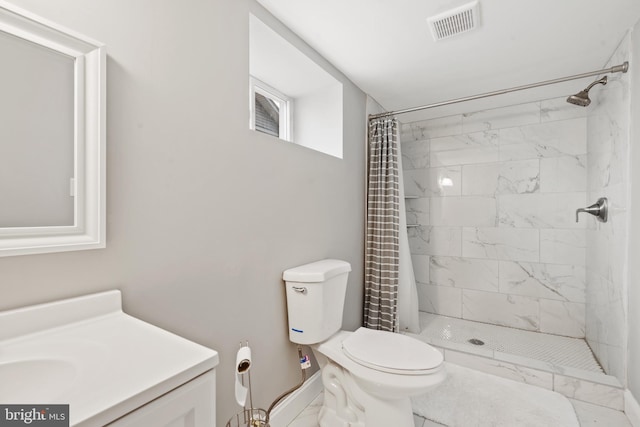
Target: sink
pixel 45 367
pixel 87 353
pixel 36 380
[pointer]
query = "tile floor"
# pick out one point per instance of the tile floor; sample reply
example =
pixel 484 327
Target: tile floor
pixel 562 364
pixel 443 331
pixel 589 416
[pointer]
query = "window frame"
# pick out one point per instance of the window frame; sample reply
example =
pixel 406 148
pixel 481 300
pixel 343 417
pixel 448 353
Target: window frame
pixel 285 104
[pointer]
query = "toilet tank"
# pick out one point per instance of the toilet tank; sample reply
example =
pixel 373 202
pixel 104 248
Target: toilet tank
pixel 315 299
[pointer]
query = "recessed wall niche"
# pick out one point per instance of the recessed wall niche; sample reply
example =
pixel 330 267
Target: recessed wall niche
pixel 315 96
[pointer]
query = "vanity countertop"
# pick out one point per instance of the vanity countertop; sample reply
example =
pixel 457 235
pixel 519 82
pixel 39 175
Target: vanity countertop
pixel 88 353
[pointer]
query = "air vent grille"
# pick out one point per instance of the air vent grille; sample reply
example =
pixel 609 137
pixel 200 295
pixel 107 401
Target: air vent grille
pixel 455 21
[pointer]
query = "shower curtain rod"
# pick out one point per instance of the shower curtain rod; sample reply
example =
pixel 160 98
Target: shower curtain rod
pixel 622 68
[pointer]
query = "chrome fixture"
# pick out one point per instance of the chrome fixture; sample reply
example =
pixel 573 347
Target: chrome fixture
pixel 582 98
pixel 622 68
pixel 600 210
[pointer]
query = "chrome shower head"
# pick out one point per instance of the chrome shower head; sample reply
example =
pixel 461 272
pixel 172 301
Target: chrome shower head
pixel 582 98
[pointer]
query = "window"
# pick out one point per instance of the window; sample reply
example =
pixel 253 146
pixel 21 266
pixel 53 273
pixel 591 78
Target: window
pixel 270 111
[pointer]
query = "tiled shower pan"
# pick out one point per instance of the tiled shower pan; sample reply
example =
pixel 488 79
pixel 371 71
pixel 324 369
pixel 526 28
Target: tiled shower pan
pixel 562 364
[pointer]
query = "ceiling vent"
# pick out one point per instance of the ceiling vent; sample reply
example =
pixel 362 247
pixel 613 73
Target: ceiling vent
pixel 455 21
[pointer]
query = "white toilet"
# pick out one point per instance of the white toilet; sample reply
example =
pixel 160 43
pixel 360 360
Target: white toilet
pixel 368 375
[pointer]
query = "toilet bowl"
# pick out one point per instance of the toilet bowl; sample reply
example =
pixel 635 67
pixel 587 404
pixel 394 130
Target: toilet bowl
pixel 369 376
pixel 373 389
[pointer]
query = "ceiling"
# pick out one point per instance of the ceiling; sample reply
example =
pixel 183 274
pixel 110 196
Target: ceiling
pixel 385 47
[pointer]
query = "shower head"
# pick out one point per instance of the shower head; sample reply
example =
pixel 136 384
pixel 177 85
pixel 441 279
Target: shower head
pixel 582 98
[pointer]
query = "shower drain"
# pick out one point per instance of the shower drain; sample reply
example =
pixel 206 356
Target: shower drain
pixel 475 341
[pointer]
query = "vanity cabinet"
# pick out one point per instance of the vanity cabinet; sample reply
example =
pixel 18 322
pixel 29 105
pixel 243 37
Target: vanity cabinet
pixel 110 368
pixel 190 405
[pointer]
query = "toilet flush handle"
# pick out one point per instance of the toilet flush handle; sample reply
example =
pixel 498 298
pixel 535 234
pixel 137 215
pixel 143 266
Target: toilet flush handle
pixel 300 289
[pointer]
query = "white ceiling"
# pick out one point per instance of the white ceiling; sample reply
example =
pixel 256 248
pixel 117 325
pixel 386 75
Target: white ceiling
pixel 385 47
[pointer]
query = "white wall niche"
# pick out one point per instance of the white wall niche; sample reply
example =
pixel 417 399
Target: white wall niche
pixel 317 95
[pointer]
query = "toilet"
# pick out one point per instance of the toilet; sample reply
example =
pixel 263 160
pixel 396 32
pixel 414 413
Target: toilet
pixel 369 376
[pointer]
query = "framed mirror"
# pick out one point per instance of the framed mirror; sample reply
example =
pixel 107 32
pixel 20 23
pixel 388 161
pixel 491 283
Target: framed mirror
pixel 52 137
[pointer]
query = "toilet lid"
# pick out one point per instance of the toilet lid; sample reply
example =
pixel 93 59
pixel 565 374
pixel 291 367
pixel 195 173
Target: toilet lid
pixel 391 352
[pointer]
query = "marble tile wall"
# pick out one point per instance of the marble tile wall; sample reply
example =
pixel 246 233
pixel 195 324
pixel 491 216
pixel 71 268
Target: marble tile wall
pixel 607 171
pixel 493 200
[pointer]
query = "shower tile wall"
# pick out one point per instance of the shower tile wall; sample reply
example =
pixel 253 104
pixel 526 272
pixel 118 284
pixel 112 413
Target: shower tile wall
pixel 492 198
pixel 608 168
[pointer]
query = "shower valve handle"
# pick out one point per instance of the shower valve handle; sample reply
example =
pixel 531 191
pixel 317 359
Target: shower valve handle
pixel 600 210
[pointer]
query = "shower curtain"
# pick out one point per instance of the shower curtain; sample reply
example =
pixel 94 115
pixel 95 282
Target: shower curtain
pixel 387 285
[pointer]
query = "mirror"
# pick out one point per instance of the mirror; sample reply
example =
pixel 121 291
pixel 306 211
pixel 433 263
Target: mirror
pixel 36 161
pixel 52 137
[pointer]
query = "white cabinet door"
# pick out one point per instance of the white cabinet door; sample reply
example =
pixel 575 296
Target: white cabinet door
pixel 190 405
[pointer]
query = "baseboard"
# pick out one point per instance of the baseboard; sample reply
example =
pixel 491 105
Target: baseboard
pixel 287 410
pixel 631 408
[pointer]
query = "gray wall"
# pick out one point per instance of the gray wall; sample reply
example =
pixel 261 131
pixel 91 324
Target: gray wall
pixel 203 214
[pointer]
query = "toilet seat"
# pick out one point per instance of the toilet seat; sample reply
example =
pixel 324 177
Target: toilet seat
pixel 391 352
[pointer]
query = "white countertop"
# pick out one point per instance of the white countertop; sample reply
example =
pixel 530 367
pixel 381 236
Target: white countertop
pixel 87 353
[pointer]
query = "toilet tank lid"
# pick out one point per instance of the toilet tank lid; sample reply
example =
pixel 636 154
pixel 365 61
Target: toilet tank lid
pixel 318 271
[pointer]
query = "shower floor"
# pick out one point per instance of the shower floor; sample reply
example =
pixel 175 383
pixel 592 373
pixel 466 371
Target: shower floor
pixel 449 332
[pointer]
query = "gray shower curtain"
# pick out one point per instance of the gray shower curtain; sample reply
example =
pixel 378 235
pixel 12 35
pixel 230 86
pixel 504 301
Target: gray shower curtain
pixel 382 239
